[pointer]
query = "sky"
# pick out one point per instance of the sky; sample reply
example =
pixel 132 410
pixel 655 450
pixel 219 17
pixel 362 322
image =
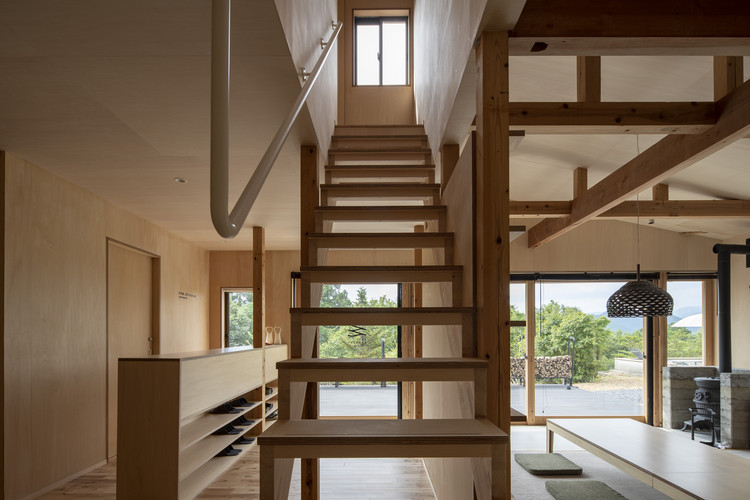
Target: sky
pixel 589 297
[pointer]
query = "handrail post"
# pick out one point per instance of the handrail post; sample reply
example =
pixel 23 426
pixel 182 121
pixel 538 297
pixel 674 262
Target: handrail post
pixel 220 50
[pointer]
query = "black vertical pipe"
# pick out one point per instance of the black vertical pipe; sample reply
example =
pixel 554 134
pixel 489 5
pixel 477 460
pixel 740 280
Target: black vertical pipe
pixel 650 370
pixel 725 311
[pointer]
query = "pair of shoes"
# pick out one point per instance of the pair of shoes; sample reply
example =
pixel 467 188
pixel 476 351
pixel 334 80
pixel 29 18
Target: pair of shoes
pixel 228 452
pixel 244 440
pixel 273 415
pixel 269 406
pixel 243 421
pixel 227 429
pixel 244 403
pixel 269 390
pixel 225 408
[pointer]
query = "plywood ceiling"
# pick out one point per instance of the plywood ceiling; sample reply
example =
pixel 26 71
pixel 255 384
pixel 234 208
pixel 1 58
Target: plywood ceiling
pixel 114 97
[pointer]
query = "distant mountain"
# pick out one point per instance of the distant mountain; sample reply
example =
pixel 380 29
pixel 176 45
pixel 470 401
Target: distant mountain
pixel 630 325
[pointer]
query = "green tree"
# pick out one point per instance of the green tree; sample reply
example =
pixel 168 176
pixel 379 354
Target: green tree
pixel 559 323
pixel 682 343
pixel 356 342
pixel 240 319
pixel 517 334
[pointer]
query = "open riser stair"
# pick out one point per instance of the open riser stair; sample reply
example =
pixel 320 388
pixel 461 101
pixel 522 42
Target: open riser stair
pixel 379 178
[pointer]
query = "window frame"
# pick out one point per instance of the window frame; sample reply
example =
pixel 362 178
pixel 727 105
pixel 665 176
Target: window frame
pixel 378 21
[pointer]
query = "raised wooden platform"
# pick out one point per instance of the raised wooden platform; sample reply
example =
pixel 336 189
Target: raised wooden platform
pixel 669 463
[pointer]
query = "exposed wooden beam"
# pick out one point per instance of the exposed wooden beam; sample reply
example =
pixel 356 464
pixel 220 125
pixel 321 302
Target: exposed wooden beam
pixel 728 75
pixel 635 27
pixel 589 78
pixel 580 181
pixel 613 117
pixel 687 209
pixel 662 160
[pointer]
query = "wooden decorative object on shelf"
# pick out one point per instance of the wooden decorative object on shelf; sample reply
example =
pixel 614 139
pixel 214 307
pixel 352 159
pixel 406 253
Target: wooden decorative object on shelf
pixel 172 419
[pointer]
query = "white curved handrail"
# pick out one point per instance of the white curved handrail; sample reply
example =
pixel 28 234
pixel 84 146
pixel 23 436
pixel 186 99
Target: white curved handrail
pixel 228 224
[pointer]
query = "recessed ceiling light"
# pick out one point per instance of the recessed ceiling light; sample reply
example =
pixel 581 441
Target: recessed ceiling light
pixel 179 180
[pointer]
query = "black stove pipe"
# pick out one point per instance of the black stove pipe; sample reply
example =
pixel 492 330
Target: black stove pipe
pixel 650 370
pixel 724 286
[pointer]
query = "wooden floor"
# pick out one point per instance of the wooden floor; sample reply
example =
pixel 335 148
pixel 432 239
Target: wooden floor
pixel 341 479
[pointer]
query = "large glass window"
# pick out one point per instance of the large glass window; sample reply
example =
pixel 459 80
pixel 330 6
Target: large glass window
pixel 238 317
pixel 604 355
pixel 381 48
pixel 685 326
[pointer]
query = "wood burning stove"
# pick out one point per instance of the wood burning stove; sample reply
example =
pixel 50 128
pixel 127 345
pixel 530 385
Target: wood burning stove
pixel 707 412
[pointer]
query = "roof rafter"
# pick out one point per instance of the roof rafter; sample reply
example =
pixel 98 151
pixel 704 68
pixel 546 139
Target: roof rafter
pixel 662 160
pixel 612 117
pixel 635 27
pixel 693 209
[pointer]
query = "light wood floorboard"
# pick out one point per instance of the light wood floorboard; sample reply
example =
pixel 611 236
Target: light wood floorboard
pixel 341 479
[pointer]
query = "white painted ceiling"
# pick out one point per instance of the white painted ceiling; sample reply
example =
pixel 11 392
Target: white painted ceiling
pixel 114 97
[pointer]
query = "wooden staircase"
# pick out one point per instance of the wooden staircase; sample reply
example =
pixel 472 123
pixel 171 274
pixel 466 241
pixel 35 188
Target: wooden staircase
pixel 381 175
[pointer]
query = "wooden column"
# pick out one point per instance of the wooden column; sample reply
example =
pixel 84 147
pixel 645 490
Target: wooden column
pixel 259 280
pixel 492 226
pixel 530 353
pixel 589 78
pixel 309 196
pixel 709 323
pixel 418 386
pixel 580 181
pixel 660 356
pixel 728 75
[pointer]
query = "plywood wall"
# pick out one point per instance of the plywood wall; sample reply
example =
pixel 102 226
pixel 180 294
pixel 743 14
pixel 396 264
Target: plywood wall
pixel 54 331
pixel 234 269
pixel 305 23
pixel 444 34
pixel 371 105
pixel 611 246
pixel 740 309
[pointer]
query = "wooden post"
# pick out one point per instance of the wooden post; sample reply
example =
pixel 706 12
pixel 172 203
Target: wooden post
pixel 418 386
pixel 660 193
pixel 709 323
pixel 660 356
pixel 492 225
pixel 580 181
pixel 309 196
pixel 530 353
pixel 589 78
pixel 728 75
pixel 259 280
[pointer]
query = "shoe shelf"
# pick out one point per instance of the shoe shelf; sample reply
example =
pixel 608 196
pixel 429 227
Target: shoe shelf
pixel 181 416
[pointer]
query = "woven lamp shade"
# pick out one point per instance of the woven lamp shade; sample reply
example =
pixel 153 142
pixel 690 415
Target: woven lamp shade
pixel 637 299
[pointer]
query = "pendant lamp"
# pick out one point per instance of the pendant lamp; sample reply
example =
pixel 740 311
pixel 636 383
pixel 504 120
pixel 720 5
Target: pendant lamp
pixel 638 298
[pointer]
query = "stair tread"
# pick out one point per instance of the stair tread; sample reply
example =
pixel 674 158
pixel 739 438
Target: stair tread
pixel 380 235
pixel 379 185
pixel 378 167
pixel 376 269
pixel 388 363
pixel 380 310
pixel 409 149
pixel 385 208
pixel 383 432
pixel 379 136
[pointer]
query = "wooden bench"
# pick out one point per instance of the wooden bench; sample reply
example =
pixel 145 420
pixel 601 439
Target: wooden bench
pixel 667 462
